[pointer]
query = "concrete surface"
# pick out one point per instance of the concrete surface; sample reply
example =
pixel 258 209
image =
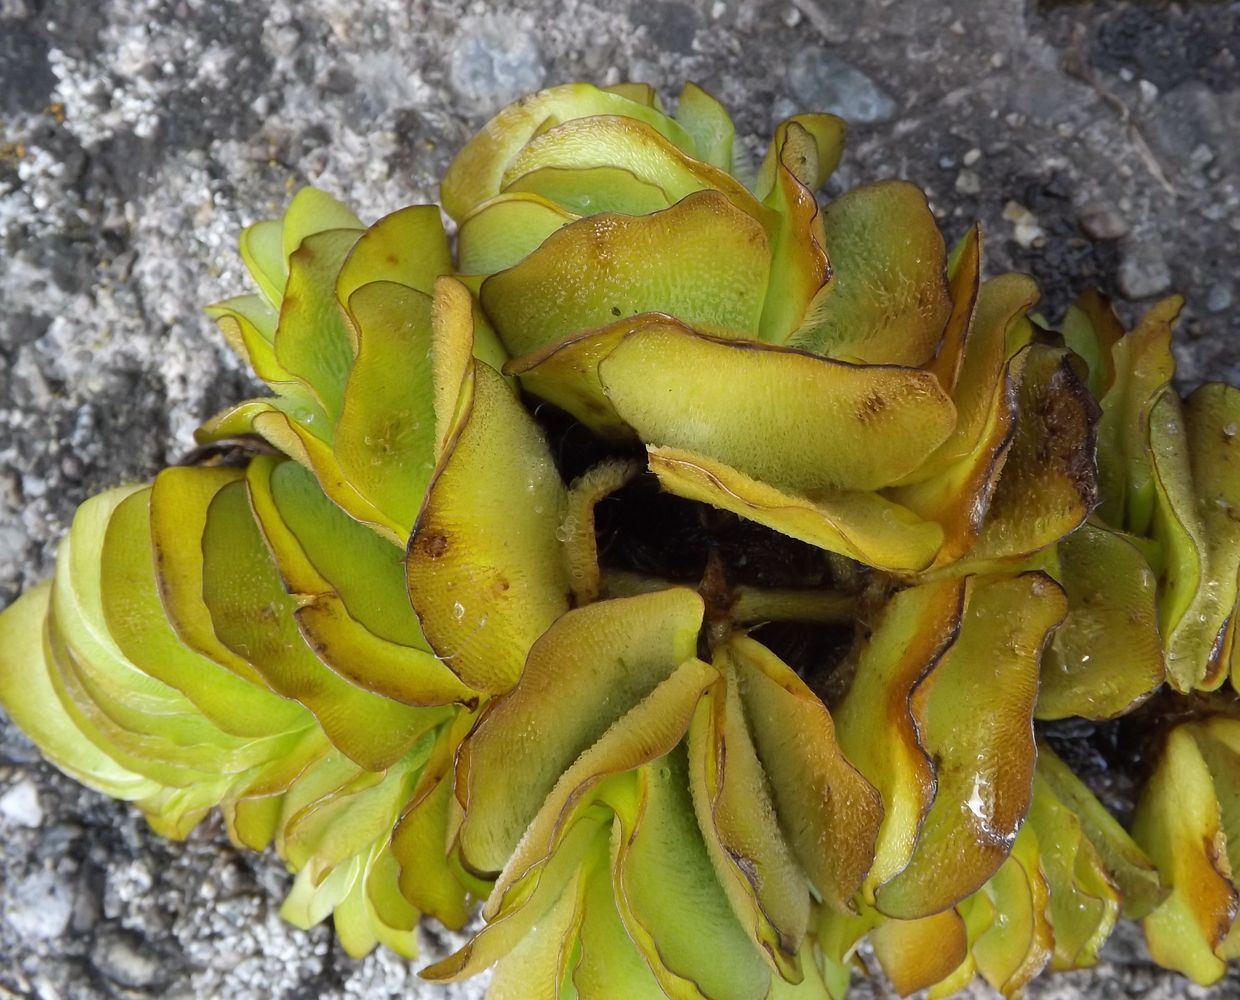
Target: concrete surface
pixel 1096 141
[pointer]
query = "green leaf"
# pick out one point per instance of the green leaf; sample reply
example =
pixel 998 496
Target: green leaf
pixel 801 423
pixel 1111 591
pixel 483 563
pixel 983 761
pixel 827 810
pixel 669 896
pixel 478 170
pixel 888 300
pixel 254 616
pixel 909 637
pixel 708 123
pixel 607 267
pixel 31 703
pixel 591 667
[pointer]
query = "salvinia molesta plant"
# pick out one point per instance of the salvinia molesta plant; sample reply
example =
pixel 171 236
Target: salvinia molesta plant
pixel 690 575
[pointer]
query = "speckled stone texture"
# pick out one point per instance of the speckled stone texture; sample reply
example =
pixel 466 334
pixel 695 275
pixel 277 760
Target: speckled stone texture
pixel 1096 142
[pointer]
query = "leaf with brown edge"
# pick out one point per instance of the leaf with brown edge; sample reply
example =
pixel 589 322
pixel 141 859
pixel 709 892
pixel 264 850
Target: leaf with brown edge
pixel 648 731
pixel 322 551
pixel 1179 822
pixel 506 229
pixel 888 300
pixel 541 965
pixel 589 190
pixel 253 808
pixel 1131 869
pixel 408 247
pixel 607 267
pixel 1180 534
pixel 1091 329
pixel 421 837
pixel 958 497
pixel 403 673
pixel 1084 903
pixel 1019 942
pixel 136 621
pixel 609 963
pixel 477 172
pixel 253 615
pixel 799 266
pixel 1218 739
pixel 811 144
pixel 997 333
pixel 330 778
pixel 1210 497
pixel 803 423
pixel 863 526
pixel 669 897
pixel 385 438
pixel 312 340
pixel 505 929
pixel 249 325
pixel 917 954
pixel 827 810
pixel 1048 485
pixel 964 270
pixel 483 563
pixel 452 357
pixel 912 633
pixel 983 761
pixel 591 667
pixel 285 428
pixel 566 374
pixel 1142 366
pixel 568 822
pixel 1111 591
pixel 180 498
pixel 762 880
pixel 620 142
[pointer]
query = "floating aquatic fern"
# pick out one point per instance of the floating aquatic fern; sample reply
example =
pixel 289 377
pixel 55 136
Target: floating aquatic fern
pixel 678 570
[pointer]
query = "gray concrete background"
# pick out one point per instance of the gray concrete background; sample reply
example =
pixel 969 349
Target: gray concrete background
pixel 1096 142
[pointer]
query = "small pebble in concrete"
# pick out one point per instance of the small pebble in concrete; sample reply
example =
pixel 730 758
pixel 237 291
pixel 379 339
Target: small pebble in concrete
pixel 38 906
pixel 1102 221
pixel 824 82
pixel 1025 227
pixel 20 805
pixel 1143 271
pixel 495 61
pixel 120 957
pixel 1218 298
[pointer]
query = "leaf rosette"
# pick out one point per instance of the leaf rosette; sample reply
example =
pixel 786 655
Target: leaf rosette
pixel 676 569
